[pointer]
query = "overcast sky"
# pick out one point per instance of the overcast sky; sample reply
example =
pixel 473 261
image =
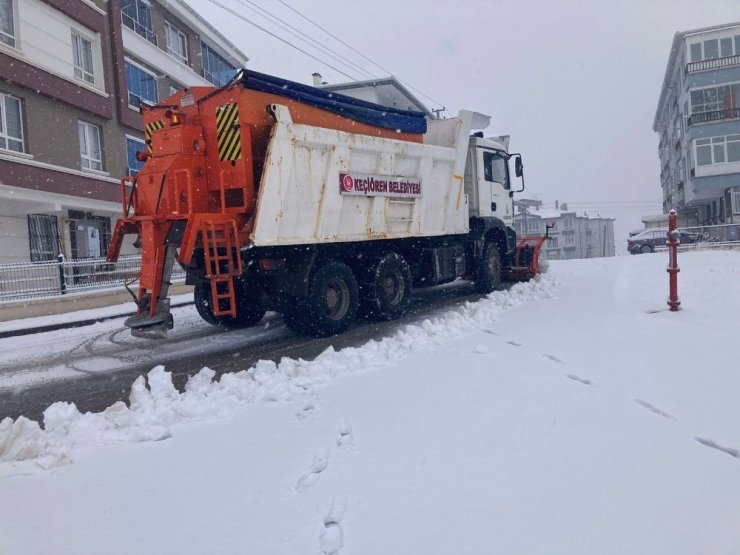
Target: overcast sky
pixel 575 83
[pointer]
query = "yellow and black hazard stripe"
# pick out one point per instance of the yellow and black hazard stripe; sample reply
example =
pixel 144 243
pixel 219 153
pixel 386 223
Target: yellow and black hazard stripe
pixel 150 128
pixel 229 138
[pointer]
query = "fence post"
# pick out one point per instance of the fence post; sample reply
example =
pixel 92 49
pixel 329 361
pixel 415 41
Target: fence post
pixel 673 268
pixel 62 280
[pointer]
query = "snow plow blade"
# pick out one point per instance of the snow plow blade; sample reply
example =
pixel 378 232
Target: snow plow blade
pixel 527 258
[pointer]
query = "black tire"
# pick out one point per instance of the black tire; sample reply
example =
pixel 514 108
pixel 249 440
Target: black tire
pixel 331 305
pixel 488 271
pixel 247 314
pixel 293 318
pixel 645 249
pixel 386 289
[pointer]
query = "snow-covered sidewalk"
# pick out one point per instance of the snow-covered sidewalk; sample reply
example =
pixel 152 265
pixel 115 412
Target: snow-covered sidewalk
pixel 71 319
pixel 572 414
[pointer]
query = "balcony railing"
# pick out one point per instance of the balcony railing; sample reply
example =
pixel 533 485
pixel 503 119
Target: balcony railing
pixel 715 115
pixel 716 63
pixel 138 28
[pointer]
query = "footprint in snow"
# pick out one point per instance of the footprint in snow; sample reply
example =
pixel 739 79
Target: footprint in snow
pixel 709 443
pixel 481 350
pixel 346 437
pixel 307 411
pixel 319 464
pixel 579 379
pixel 652 408
pixel 331 537
pixel 492 332
pixel 514 343
pixel 553 358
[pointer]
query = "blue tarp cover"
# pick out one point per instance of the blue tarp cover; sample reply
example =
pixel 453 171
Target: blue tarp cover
pixel 359 110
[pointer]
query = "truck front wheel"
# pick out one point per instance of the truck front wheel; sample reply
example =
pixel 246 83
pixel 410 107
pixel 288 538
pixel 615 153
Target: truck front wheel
pixel 488 270
pixel 247 314
pixel 386 291
pixel 331 305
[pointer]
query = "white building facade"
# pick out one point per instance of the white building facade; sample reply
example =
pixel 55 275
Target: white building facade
pixel 571 235
pixel 698 122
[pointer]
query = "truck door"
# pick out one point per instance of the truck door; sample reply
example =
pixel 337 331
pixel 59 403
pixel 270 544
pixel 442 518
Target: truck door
pixel 485 184
pixel 494 186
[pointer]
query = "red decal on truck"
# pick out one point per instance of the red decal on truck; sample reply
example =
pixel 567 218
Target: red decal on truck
pixel 379 185
pixel 347 183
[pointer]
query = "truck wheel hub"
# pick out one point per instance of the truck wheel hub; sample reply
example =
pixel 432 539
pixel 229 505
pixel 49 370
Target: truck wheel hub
pixel 337 299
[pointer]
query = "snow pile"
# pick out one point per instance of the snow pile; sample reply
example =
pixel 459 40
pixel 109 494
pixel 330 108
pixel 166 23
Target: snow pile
pixel 156 405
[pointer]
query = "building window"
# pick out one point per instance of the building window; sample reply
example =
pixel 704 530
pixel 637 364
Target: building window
pixel 533 225
pixel 215 68
pixel 695 52
pixel 711 49
pixel 82 58
pixel 141 85
pixel 567 223
pixel 717 150
pixel 132 147
pixel 7 22
pixel 733 200
pixel 11 125
pixel 714 99
pixel 177 42
pixel 90 152
pixel 570 239
pixel 552 242
pixel 137 16
pixel 43 237
pixel 725 47
pixel 714 48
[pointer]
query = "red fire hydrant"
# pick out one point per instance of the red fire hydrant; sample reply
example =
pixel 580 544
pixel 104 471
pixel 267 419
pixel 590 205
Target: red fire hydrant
pixel 673 268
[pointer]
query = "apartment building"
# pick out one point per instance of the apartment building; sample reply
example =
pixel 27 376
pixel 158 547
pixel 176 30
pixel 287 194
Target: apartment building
pixel 698 122
pixel 571 235
pixel 164 48
pixel 73 74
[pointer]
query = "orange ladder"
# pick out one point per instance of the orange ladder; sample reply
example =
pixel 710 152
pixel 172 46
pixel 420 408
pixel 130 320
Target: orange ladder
pixel 223 263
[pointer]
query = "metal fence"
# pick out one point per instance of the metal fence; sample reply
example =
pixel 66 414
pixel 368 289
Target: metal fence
pixel 709 237
pixel 28 280
pixel 726 233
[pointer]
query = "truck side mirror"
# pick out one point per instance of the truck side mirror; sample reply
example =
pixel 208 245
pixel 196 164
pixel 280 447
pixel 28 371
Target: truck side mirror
pixel 518 166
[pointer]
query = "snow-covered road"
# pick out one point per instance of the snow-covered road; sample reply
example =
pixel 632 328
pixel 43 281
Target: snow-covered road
pixel 95 366
pixel 571 415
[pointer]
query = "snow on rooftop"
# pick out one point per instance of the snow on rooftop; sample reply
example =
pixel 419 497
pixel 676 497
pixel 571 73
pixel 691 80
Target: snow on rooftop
pixel 553 213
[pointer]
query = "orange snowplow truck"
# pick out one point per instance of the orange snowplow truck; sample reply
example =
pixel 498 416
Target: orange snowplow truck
pixel 276 195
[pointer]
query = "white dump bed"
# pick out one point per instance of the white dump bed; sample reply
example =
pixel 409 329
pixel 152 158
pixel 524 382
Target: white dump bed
pixel 322 185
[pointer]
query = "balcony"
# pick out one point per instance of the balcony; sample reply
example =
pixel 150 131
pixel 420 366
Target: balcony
pixel 716 115
pixel 139 28
pixel 716 63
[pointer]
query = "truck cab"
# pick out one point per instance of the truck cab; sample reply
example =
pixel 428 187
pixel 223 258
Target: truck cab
pixel 487 179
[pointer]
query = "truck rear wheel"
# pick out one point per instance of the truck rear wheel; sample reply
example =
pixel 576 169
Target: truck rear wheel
pixel 247 314
pixel 331 305
pixel 386 291
pixel 488 270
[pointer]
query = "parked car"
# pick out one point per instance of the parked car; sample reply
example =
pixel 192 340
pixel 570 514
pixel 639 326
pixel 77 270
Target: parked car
pixel 650 239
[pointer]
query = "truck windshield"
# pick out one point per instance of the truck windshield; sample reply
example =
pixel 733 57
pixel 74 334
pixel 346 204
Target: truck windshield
pixel 495 168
